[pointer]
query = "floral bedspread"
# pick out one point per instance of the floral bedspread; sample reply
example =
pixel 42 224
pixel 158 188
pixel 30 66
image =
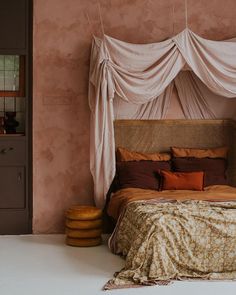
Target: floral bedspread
pixel 164 241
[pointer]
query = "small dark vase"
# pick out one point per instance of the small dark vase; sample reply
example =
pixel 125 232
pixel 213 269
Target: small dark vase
pixel 11 123
pixel 2 124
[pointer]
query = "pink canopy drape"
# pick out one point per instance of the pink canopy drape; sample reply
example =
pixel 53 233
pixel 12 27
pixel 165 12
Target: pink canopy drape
pixel 143 75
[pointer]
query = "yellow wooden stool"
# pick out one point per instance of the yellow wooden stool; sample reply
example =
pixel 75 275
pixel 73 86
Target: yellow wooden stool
pixel 83 213
pixel 83 226
pixel 83 242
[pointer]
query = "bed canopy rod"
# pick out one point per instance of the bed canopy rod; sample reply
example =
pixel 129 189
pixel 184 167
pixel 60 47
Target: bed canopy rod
pixel 89 22
pixel 186 13
pixel 100 18
pixel 173 15
pixel 102 24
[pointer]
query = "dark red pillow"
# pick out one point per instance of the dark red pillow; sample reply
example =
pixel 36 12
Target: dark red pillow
pixel 142 174
pixel 214 169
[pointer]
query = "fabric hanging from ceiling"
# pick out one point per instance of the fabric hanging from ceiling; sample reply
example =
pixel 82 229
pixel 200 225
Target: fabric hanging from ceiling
pixel 139 74
pixel 192 99
pixel 210 105
pixel 222 107
pixel 154 109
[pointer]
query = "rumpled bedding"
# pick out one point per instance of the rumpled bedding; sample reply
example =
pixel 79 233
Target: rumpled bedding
pixel 163 239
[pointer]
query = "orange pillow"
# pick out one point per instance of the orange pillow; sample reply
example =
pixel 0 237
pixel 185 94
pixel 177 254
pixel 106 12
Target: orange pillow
pixel 125 155
pixel 182 180
pixel 220 152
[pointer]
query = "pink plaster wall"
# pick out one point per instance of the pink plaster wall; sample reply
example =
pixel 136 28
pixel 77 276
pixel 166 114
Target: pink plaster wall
pixel 62 40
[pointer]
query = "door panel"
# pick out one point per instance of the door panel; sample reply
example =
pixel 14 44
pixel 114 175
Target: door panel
pixel 16 23
pixel 13 24
pixel 12 187
pixel 14 222
pixel 12 152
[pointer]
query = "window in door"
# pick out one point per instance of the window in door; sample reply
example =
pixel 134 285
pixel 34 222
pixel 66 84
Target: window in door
pixel 12 90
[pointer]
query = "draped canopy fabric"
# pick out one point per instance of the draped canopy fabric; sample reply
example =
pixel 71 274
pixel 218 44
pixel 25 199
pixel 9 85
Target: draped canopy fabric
pixel 142 74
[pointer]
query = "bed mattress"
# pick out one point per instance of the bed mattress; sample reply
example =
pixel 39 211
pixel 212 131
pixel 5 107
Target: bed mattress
pixel 173 235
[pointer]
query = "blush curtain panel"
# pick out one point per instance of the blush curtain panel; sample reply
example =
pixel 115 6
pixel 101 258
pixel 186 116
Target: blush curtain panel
pixel 192 98
pixel 143 75
pixel 152 110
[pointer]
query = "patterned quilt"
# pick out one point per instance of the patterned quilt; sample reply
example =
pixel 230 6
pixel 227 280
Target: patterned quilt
pixel 169 240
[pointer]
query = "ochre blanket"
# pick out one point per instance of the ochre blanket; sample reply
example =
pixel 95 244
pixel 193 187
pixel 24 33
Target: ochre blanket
pixel 212 193
pixel 171 239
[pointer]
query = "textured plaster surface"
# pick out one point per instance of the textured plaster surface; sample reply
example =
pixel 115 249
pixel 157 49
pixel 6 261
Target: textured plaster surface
pixel 62 41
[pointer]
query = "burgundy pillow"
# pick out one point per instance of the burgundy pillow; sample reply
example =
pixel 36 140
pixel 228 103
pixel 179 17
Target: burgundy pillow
pixel 214 169
pixel 142 174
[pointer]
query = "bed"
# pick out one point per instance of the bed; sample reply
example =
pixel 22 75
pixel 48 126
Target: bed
pixel 175 234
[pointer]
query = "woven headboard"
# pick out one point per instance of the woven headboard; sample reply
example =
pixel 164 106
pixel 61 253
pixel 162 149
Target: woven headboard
pixel 160 135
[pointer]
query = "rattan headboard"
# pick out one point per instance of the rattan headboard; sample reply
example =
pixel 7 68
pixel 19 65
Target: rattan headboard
pixel 160 135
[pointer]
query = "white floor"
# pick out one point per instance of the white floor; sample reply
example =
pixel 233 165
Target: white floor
pixel 44 265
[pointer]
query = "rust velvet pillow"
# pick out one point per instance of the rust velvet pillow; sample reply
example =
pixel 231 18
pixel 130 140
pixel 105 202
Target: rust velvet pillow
pixel 142 174
pixel 125 155
pixel 214 169
pixel 219 152
pixel 182 180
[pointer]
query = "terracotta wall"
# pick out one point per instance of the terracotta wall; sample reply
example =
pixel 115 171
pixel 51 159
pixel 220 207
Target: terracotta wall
pixel 62 40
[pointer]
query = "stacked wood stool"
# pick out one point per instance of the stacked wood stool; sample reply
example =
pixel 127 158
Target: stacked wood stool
pixel 83 226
